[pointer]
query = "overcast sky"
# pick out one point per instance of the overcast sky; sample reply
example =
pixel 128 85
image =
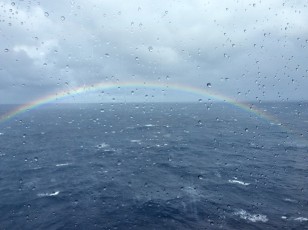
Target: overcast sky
pixel 248 50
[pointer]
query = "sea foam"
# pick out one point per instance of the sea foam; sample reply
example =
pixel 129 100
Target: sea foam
pixel 251 217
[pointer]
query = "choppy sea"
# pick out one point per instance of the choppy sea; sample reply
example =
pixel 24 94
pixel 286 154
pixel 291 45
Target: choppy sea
pixel 154 166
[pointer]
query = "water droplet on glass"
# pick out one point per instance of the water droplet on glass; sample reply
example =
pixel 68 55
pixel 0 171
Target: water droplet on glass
pixel 62 18
pixel 150 48
pixel 200 177
pixel 6 50
pixel 46 14
pixel 209 85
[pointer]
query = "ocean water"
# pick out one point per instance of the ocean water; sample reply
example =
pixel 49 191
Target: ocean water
pixel 154 166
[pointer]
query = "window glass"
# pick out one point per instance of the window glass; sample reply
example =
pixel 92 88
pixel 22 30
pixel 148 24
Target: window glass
pixel 153 114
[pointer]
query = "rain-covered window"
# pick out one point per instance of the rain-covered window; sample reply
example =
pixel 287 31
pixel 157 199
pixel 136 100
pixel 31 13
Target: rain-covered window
pixel 153 114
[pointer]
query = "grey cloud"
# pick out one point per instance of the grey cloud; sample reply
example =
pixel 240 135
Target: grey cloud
pixel 259 48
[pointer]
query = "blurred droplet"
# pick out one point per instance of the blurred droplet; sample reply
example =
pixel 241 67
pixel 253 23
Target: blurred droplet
pixel 209 85
pixel 46 14
pixel 62 18
pixel 150 48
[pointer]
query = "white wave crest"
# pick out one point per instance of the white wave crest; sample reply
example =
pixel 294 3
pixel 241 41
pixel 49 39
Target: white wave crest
pixel 289 200
pixel 251 217
pixel 238 182
pixel 102 146
pixel 135 141
pixel 63 164
pixel 149 125
pixel 48 194
pixel 301 219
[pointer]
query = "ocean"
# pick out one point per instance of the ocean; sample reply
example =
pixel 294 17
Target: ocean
pixel 154 166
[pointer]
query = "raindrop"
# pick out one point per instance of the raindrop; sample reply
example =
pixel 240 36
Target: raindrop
pixel 6 50
pixel 209 85
pixel 13 3
pixel 62 18
pixel 46 14
pixel 200 177
pixel 150 48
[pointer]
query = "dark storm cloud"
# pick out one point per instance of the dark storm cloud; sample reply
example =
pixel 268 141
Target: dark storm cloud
pixel 250 51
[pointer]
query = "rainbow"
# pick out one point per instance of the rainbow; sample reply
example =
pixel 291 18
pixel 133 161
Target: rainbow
pixel 204 92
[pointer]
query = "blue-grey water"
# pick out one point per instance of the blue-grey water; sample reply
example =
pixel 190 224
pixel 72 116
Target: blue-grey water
pixel 154 166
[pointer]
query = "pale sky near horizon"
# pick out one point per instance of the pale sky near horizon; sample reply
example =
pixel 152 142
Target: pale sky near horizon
pixel 247 50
